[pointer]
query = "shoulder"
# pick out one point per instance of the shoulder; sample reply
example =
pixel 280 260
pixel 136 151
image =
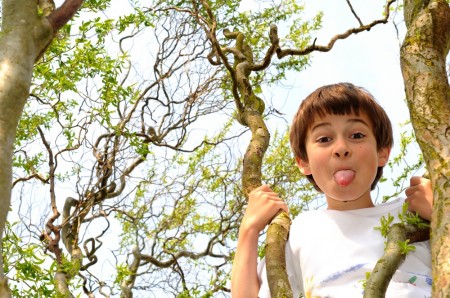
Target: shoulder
pixel 311 224
pixel 309 217
pixel 320 218
pixel 392 207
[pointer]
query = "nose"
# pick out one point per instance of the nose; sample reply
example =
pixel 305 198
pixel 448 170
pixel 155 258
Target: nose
pixel 341 149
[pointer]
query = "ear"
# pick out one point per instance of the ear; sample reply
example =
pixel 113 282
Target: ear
pixel 303 166
pixel 383 156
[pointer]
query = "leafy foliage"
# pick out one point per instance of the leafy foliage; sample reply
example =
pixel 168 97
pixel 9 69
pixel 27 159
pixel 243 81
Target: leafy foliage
pixel 386 223
pixel 408 162
pixel 26 265
pixel 127 152
pixel 116 122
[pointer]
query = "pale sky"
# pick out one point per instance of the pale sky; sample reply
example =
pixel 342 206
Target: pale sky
pixel 368 59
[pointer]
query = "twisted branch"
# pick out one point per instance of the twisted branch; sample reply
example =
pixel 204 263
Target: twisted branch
pixel 320 48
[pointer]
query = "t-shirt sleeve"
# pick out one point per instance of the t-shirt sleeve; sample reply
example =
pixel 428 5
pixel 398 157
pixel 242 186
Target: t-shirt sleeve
pixel 264 291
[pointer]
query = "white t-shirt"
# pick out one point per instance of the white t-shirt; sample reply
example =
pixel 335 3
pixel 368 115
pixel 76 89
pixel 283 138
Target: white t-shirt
pixel 329 252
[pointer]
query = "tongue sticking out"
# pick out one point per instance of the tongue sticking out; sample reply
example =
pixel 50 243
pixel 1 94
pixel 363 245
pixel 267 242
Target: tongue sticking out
pixel 344 177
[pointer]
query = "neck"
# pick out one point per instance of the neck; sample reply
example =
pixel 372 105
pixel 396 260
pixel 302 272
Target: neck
pixel 364 201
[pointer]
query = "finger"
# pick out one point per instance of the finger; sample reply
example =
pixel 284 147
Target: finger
pixel 410 191
pixel 264 187
pixel 410 204
pixel 268 195
pixel 416 183
pixel 265 190
pixel 416 180
pixel 283 206
pixel 260 190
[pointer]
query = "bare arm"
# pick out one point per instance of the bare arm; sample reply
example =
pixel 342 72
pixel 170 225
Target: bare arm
pixel 244 279
pixel 263 204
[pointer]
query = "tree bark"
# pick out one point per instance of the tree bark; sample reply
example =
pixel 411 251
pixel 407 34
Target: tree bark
pixel 24 36
pixel 19 43
pixel 250 114
pixel 423 62
pixel 278 231
pixel 393 257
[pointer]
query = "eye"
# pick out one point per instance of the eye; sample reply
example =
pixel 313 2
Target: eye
pixel 357 135
pixel 323 139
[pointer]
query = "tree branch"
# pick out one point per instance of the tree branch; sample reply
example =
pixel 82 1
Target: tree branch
pixel 393 257
pixel 300 52
pixel 274 45
pixel 60 16
pixel 354 13
pixel 47 6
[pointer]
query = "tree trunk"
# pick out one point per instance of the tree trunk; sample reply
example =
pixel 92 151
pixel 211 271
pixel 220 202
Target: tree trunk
pixel 423 63
pixel 24 36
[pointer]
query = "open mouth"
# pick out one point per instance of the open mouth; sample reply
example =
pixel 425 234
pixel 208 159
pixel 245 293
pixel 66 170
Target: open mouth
pixel 344 177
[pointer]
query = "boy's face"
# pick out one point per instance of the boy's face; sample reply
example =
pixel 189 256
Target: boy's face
pixel 343 157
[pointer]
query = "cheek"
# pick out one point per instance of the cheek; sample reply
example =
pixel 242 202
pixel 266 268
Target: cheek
pixel 318 160
pixel 368 151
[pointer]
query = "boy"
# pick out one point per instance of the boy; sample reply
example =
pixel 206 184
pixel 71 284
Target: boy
pixel 341 139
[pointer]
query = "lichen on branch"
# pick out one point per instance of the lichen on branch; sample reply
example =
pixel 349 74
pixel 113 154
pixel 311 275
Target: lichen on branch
pixel 399 240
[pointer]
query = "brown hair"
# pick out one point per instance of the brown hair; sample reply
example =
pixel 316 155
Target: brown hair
pixel 339 99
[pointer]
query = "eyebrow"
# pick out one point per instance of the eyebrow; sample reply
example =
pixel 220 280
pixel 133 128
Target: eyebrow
pixel 353 120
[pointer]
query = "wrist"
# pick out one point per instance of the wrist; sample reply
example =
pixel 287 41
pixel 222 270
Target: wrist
pixel 249 233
